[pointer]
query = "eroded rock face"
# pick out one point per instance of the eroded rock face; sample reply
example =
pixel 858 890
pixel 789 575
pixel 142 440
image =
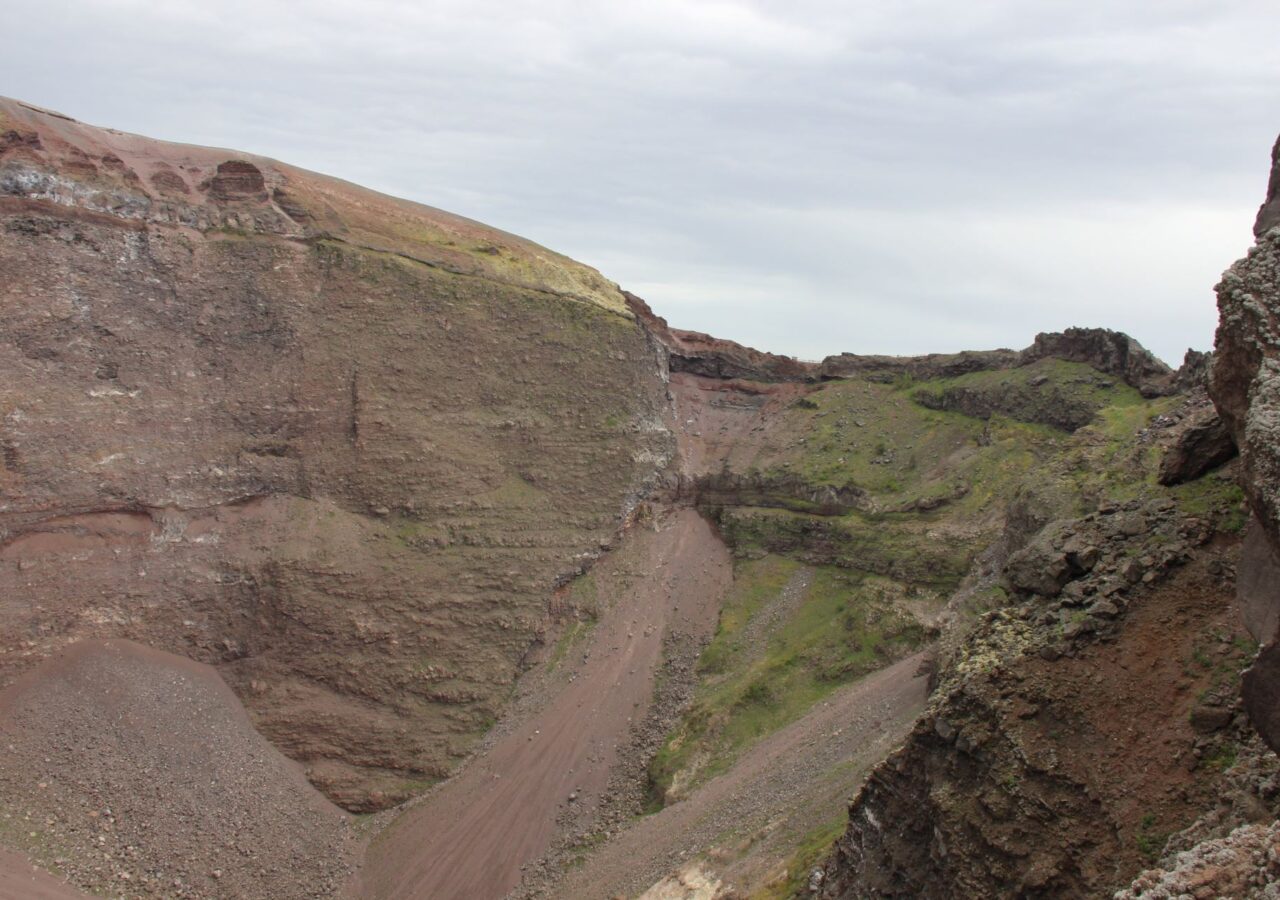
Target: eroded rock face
pixel 1054 714
pixel 1245 379
pixel 337 445
pixel 1245 385
pixel 237 179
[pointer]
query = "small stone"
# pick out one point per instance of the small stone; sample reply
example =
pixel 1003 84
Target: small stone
pixel 1104 608
pixel 1205 719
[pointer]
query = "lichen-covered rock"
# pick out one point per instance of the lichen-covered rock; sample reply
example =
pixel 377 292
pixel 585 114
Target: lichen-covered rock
pixel 1245 385
pixel 1245 865
pixel 1245 378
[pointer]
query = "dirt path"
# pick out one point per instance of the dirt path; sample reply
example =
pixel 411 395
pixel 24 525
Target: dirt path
pixel 470 837
pixel 792 781
pixel 19 880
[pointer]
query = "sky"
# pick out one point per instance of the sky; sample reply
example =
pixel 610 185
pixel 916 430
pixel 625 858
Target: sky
pixel 807 177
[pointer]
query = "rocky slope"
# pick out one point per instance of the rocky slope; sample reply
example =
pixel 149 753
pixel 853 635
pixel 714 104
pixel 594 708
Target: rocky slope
pixel 95 733
pixel 1094 724
pixel 1245 383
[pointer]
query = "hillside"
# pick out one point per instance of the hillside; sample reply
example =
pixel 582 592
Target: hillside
pixel 533 595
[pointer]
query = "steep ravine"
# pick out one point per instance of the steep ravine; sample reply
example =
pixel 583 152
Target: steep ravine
pixel 554 600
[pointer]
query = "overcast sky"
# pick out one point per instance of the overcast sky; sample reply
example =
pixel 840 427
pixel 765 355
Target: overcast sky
pixel 805 176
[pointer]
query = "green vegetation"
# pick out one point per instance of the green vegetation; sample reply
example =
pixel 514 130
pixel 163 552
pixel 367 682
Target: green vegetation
pixel 813 847
pixel 1149 841
pixel 893 545
pixel 938 463
pixel 571 637
pixel 759 674
pixel 1222 757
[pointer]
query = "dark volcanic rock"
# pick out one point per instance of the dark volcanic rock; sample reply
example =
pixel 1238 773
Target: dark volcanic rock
pixel 1041 402
pixel 1204 444
pixel 1258 583
pixel 712 357
pixel 702 354
pixel 1269 212
pixel 1194 371
pixel 1245 385
pixel 1261 692
pixel 1107 351
pixel 934 365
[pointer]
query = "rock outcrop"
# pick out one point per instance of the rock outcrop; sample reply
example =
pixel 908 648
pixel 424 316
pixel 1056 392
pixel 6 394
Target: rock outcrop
pixel 1110 352
pixel 1107 351
pixel 1245 385
pixel 1052 716
pixel 702 355
pixel 1269 211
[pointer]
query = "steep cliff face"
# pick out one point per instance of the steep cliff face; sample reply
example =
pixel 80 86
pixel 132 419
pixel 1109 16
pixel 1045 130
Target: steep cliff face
pixel 1245 384
pixel 338 445
pixel 1074 730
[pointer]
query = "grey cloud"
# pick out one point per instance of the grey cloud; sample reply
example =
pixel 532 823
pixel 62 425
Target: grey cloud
pixel 805 176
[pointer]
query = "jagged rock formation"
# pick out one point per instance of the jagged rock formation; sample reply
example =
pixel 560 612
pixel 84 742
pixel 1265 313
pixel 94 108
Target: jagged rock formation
pixel 1052 715
pixel 1106 351
pixel 1204 444
pixel 1109 352
pixel 1245 385
pixel 703 355
pixel 1269 211
pixel 338 445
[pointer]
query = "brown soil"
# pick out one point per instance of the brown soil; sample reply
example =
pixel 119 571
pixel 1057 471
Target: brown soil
pixel 20 880
pixel 471 837
pixel 1117 718
pixel 138 773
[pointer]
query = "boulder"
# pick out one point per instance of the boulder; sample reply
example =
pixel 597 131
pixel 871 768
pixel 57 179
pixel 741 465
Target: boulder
pixel 1204 444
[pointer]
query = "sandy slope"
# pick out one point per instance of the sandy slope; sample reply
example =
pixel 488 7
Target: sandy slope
pixel 796 779
pixel 469 839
